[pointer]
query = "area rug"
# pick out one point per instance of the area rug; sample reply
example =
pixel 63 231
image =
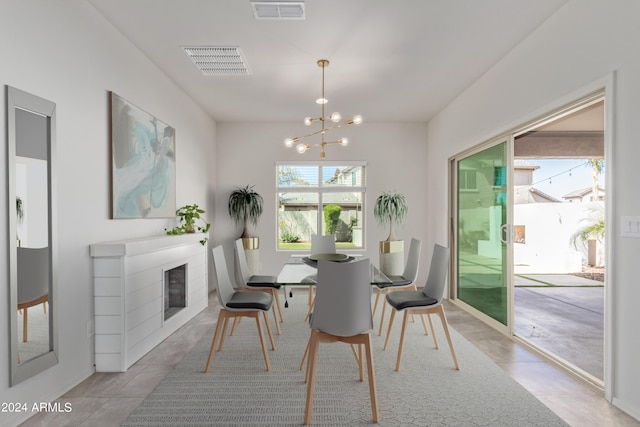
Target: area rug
pixel 427 391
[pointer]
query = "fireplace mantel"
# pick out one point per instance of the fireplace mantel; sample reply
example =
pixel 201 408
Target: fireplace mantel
pixel 143 245
pixel 129 294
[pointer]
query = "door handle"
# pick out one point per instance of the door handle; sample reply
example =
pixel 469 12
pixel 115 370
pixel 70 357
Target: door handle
pixel 506 234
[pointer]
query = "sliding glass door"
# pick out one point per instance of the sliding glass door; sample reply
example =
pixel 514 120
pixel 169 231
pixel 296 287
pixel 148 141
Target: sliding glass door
pixel 480 230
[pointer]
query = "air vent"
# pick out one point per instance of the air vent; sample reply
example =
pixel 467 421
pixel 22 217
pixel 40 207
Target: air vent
pixel 277 10
pixel 218 60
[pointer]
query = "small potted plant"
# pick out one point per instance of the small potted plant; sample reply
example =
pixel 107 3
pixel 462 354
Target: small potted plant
pixel 19 215
pixel 188 215
pixel 391 208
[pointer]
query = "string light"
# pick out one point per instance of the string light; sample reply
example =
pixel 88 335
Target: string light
pixel 561 173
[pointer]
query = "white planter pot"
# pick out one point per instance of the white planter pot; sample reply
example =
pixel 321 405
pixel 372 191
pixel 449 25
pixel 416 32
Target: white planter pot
pixel 392 257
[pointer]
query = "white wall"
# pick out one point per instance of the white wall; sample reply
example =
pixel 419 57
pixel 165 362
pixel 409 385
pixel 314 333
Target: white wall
pixel 65 52
pixel 395 153
pixel 572 52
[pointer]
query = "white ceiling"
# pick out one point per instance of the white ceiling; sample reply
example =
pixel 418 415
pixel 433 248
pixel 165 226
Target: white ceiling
pixel 390 60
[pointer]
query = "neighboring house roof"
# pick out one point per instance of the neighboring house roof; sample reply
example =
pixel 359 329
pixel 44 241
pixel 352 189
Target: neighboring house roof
pixel 526 194
pixel 580 193
pixel 544 195
pixel 523 164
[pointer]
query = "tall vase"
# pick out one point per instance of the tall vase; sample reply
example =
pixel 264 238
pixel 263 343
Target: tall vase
pixel 392 257
pixel 252 252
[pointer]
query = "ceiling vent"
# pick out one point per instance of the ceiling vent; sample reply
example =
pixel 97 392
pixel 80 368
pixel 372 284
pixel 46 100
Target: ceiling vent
pixel 278 10
pixel 218 60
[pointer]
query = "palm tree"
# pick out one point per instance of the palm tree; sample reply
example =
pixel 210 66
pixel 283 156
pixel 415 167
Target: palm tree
pixel 598 167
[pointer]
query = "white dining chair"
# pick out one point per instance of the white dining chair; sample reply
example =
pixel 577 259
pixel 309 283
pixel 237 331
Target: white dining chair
pixel 321 245
pixel 405 281
pixel 247 281
pixel 426 301
pixel 342 313
pixel 235 304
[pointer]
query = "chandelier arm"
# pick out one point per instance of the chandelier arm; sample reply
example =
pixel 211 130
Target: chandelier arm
pixel 298 138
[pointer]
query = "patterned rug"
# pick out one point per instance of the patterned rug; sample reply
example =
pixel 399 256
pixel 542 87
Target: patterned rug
pixel 427 391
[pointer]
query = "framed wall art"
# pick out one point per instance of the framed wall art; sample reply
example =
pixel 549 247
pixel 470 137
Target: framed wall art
pixel 143 163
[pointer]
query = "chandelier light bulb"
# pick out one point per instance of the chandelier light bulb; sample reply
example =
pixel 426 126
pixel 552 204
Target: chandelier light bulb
pixel 308 120
pixel 344 142
pixel 357 119
pixel 336 117
pixel 301 148
pixel 288 142
pixel 322 101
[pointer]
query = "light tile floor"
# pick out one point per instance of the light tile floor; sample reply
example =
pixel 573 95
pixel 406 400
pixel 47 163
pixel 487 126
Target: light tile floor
pixel 106 399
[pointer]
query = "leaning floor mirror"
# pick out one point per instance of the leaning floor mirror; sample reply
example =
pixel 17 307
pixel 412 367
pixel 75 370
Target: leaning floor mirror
pixel 31 130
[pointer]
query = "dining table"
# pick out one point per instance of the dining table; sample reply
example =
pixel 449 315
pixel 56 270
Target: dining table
pixel 300 270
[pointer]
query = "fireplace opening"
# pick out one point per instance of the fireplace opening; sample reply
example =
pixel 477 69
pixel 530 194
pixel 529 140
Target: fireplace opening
pixel 175 283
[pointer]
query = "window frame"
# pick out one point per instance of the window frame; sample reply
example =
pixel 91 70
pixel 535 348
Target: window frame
pixel 320 190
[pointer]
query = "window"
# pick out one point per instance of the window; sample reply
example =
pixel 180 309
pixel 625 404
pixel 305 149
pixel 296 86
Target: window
pixel 320 198
pixel 467 179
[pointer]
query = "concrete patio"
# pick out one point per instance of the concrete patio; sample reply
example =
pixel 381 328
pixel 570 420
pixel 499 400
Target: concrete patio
pixel 564 315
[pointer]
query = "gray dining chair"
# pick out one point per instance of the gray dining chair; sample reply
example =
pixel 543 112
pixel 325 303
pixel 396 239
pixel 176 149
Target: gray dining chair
pixel 405 281
pixel 33 282
pixel 234 304
pixel 426 301
pixel 247 281
pixel 342 313
pixel 321 245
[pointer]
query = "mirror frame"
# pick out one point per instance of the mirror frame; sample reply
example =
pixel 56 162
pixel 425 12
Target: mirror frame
pixel 17 99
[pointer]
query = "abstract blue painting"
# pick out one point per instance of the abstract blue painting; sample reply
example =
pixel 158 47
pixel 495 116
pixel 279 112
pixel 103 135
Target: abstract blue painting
pixel 143 163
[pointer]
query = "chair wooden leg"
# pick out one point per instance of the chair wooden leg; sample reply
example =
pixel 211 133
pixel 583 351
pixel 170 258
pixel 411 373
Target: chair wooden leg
pixel 24 324
pixel 236 320
pixel 404 327
pixel 307 374
pixel 305 355
pixel 311 382
pixel 266 322
pixel 372 380
pixel 275 320
pixel 264 345
pixel 386 341
pixel 310 295
pixel 435 340
pixel 306 318
pixel 375 305
pixel 224 329
pixel 361 362
pixel 384 308
pixel 443 318
pixel 221 315
pixel 44 307
pixel 424 325
pixel 277 300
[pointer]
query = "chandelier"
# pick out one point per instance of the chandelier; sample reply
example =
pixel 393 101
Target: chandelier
pixel 334 118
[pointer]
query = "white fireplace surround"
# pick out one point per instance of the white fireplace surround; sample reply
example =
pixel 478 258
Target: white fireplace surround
pixel 129 294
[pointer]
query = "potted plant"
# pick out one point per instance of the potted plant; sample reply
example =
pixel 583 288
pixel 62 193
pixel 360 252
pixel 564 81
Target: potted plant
pixel 188 215
pixel 245 205
pixel 19 216
pixel 19 208
pixel 391 208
